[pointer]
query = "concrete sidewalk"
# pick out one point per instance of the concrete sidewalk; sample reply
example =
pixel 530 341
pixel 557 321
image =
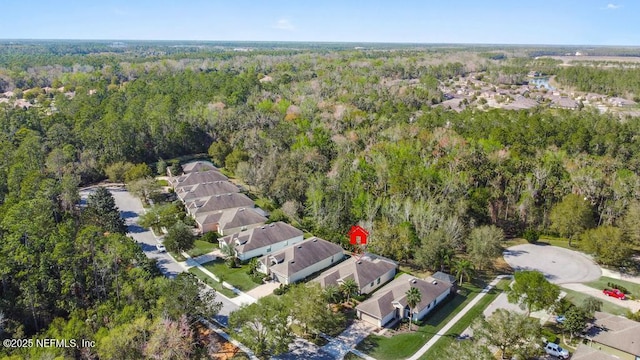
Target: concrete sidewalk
pixel 456 318
pixel 241 299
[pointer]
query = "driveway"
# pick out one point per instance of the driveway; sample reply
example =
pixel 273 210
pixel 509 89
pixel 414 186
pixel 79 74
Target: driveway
pixel 559 265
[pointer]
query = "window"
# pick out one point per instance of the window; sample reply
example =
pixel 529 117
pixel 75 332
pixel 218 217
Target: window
pixel 378 281
pixel 371 284
pixel 269 249
pixel 332 260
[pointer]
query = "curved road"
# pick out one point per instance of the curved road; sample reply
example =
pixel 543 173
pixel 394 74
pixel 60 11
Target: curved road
pixel 130 209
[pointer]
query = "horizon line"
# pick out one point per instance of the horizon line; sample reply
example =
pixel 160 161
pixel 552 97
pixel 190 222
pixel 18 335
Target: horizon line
pixel 319 42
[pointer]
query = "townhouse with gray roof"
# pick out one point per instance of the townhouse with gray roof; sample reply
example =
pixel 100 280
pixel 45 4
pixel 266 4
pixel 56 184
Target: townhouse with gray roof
pixel 217 203
pixel 369 272
pixel 230 221
pixel 262 240
pixel 198 191
pixel 297 262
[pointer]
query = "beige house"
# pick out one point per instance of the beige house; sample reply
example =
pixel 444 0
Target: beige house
pixel 216 203
pixel 390 302
pixel 230 221
pixel 199 191
pixel 262 240
pixel 296 262
pixel 369 273
pixel 197 177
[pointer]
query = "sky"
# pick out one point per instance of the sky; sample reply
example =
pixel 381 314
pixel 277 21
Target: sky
pixel 553 22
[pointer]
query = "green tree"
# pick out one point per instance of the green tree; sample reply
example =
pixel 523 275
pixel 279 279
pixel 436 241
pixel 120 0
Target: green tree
pixel 590 305
pixel 179 237
pixel 512 333
pixel 333 294
pixel 608 244
pixel 185 295
pixel 309 309
pixel 161 167
pixel 414 296
pixel 468 350
pixel 137 171
pixel 234 158
pixel 102 211
pixel 116 171
pixel 463 268
pixel 571 216
pixel 533 291
pixel 263 326
pixel 575 321
pixel 484 245
pixel 145 188
pixel 349 288
pixel 218 152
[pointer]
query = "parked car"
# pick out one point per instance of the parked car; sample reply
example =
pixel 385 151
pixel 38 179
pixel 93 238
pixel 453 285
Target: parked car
pixel 554 349
pixel 560 319
pixel 161 248
pixel 614 293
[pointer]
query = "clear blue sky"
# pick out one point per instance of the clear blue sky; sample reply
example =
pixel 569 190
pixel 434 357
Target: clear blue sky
pixel 423 21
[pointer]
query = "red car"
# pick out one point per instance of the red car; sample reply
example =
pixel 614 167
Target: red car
pixel 614 293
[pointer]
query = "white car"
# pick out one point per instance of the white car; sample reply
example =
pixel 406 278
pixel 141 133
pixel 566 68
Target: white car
pixel 554 349
pixel 161 248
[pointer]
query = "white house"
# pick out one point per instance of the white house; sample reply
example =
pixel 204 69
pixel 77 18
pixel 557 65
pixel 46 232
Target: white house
pixel 369 272
pixel 262 240
pixel 296 262
pixel 390 302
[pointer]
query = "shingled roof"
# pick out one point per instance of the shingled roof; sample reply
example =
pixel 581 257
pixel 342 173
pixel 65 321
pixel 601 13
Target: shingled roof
pixel 202 190
pixel 302 255
pixel 262 236
pixel 364 271
pixel 617 332
pixel 198 166
pixel 196 178
pixel 219 202
pixel 381 303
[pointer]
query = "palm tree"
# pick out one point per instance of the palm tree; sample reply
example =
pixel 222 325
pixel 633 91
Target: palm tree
pixel 332 294
pixel 414 296
pixel 463 268
pixel 229 255
pixel 349 288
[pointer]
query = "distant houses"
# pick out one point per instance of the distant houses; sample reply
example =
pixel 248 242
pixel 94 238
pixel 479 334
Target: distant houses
pixel 296 262
pixel 390 302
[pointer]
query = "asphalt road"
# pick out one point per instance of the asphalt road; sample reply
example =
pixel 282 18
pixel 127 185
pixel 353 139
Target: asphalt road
pixel 559 265
pixel 130 209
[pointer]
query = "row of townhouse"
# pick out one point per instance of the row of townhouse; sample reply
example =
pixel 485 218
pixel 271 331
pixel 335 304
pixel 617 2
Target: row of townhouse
pixel 213 201
pixel 284 254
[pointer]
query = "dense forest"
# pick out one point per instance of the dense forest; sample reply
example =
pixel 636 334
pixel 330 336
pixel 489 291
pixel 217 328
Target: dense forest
pixel 330 136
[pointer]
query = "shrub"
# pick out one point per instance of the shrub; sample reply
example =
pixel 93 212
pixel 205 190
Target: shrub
pixel 531 236
pixel 549 335
pixel 282 289
pixel 210 237
pixel 619 287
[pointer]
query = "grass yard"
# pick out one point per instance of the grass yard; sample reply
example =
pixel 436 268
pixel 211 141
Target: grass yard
pixel 560 242
pixel 406 344
pixel 601 284
pixel 214 284
pixel 438 350
pixel 237 277
pixel 201 247
pixel 577 298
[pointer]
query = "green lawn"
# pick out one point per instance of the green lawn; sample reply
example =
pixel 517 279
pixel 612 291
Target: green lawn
pixel 602 284
pixel 577 298
pixel 237 277
pixel 214 284
pixel 559 242
pixel 437 351
pixel 406 344
pixel 201 247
